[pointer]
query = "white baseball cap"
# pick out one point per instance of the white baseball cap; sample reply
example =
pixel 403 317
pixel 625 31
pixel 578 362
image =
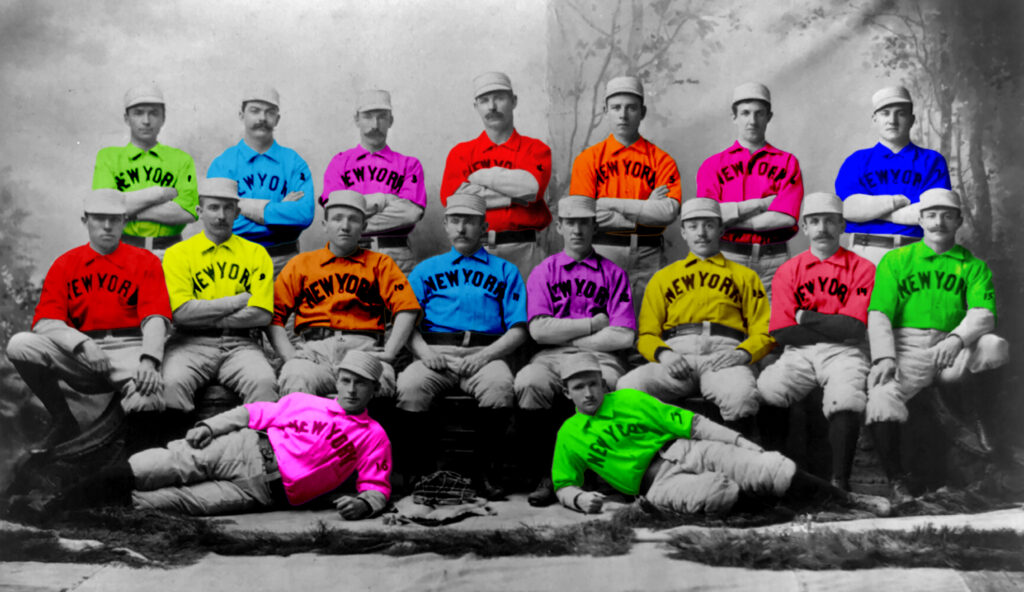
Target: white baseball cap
pixel 220 187
pixel 700 207
pixel 822 202
pixel 630 85
pixel 940 198
pixel 490 82
pixel 346 198
pixel 266 94
pixel 751 91
pixel 890 95
pixel 104 201
pixel 372 100
pixel 577 206
pixel 362 363
pixel 578 363
pixel 466 203
pixel 143 94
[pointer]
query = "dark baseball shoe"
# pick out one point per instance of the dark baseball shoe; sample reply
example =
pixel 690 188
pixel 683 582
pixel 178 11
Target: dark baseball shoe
pixel 877 505
pixel 900 492
pixel 544 495
pixel 840 483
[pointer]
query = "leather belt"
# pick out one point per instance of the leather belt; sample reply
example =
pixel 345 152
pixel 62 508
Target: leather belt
pixel 747 249
pixel 318 333
pixel 626 240
pixel 277 493
pixel 373 243
pixel 213 332
pixel 514 236
pixel 705 328
pixel 461 338
pixel 151 242
pixel 283 249
pixel 887 241
pixel 124 332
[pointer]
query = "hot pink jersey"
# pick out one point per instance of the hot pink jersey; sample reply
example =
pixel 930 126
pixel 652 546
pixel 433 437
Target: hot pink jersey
pixel 737 175
pixel 840 284
pixel 318 446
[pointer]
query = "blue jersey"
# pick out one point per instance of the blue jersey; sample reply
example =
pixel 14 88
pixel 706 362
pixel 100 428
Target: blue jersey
pixel 879 171
pixel 271 175
pixel 479 292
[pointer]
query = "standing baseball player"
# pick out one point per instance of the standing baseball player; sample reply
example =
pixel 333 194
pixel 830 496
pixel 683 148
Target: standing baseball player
pixel 474 319
pixel 819 313
pixel 274 182
pixel 932 316
pixel 881 186
pixel 159 182
pixel 635 183
pixel 759 186
pixel 577 301
pixel 391 183
pixel 340 295
pixel 260 455
pixel 678 460
pixel 509 170
pixel 100 323
pixel 221 287
pixel 703 322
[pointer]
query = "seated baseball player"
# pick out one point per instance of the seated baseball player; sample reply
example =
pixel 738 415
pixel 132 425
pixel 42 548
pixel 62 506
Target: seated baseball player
pixel 931 318
pixel 703 322
pixel 221 288
pixel 100 323
pixel 339 295
pixel 577 301
pixel 820 313
pixel 260 455
pixel 474 319
pixel 678 460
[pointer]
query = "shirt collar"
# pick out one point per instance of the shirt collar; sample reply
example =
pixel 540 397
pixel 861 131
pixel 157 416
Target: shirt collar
pixel 840 258
pixel 273 153
pixel 737 147
pixel 884 150
pixel 336 409
pixel 592 260
pixel 386 152
pixel 208 244
pixel 692 259
pixel 641 145
pixel 119 256
pixel 134 152
pixel 512 143
pixel 480 255
pixel 957 252
pixel 326 256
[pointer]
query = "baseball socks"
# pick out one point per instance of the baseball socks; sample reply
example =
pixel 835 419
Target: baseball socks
pixel 843 430
pixel 807 487
pixel 536 433
pixel 111 486
pixel 773 427
pixel 886 436
pixel 43 383
pixel 491 427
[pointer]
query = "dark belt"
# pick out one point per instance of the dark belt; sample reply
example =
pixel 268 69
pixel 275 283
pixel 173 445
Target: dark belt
pixel 746 249
pixel 384 242
pixel 462 338
pixel 151 242
pixel 515 236
pixel 213 332
pixel 625 240
pixel 698 329
pixel 283 249
pixel 277 494
pixel 125 332
pixel 318 333
pixel 882 240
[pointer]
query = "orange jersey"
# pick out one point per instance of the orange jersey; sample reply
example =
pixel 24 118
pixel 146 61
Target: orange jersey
pixel 347 293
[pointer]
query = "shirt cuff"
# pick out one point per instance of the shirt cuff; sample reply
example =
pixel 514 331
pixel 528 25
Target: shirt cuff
pixel 375 499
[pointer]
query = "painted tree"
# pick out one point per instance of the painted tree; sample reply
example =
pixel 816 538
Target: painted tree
pixel 18 294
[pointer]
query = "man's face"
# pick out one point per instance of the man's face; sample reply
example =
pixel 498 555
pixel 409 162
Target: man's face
pixel 823 230
pixel 495 109
pixel 578 233
pixel 751 119
pixel 625 112
pixel 464 231
pixel 104 230
pixel 344 227
pixel 373 126
pixel 354 391
pixel 893 123
pixel 259 119
pixel 586 390
pixel 940 224
pixel 218 216
pixel 145 121
pixel 702 235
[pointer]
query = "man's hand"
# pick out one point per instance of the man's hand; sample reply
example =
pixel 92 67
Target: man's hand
pixel 598 322
pixel 882 372
pixel 947 350
pixel 748 445
pixel 660 192
pixel 899 201
pixel 169 193
pixel 294 196
pixel 435 361
pixel 199 436
pixel 241 300
pixel 352 508
pixel 590 502
pixel 470 365
pixel 675 364
pixel 148 381
pixel 94 357
pixel 726 359
pixel 383 356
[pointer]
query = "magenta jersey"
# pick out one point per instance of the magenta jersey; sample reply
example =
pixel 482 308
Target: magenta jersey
pixel 384 171
pixel 318 446
pixel 563 288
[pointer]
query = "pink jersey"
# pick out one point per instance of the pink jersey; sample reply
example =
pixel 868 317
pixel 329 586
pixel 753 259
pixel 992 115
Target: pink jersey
pixel 840 284
pixel 384 171
pixel 318 446
pixel 737 175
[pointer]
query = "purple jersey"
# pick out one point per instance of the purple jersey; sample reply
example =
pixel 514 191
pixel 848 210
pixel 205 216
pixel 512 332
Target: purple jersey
pixel 563 288
pixel 384 171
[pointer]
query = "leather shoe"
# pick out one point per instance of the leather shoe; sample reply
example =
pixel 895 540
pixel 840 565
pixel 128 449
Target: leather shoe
pixel 900 493
pixel 544 495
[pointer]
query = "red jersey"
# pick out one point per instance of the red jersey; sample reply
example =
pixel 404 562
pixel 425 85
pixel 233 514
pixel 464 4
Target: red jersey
pixel 840 284
pixel 518 152
pixel 90 292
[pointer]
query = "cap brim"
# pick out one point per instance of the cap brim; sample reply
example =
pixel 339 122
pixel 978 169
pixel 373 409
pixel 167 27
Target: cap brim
pixel 373 107
pixel 491 88
pixel 894 101
pixel 463 210
pixel 145 101
pixel 358 372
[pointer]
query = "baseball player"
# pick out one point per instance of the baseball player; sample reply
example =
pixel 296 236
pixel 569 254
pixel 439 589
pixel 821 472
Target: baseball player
pixel 509 170
pixel 274 182
pixel 635 183
pixel 759 186
pixel 339 295
pixel 881 186
pixel 259 455
pixel 392 183
pixel 703 322
pixel 819 313
pixel 221 288
pixel 159 182
pixel 100 323
pixel 577 301
pixel 474 319
pixel 932 316
pixel 678 460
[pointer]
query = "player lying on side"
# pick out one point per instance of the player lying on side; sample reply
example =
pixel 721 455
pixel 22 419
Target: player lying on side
pixel 678 460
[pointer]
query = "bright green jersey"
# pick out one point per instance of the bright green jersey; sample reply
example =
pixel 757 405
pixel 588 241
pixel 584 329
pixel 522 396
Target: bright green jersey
pixel 919 289
pixel 128 168
pixel 618 441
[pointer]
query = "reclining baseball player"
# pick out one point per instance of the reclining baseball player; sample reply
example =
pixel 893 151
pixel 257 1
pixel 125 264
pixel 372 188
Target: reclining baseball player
pixel 260 455
pixel 678 460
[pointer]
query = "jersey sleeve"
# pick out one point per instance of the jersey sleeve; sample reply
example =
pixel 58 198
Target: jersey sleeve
pixel 567 468
pixel 756 312
pixel 847 181
pixel 653 312
pixel 668 174
pixel 790 192
pixel 53 302
pixel 262 279
pixel 294 213
pixel 538 296
pixel 514 300
pixel 263 413
pixel 223 166
pixel 394 287
pixel 414 189
pixel 287 286
pixel 620 300
pixel 153 299
pixel 667 418
pixel 454 171
pixel 980 290
pixel 939 175
pixel 784 302
pixel 707 179
pixel 884 295
pixel 540 166
pixel 583 180
pixel 103 171
pixel 373 467
pixel 332 176
pixel 186 184
pixel 178 276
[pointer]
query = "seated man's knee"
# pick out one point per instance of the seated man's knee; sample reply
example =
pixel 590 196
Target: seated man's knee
pixel 843 397
pixel 993 352
pixel 23 347
pixel 533 387
pixel 885 403
pixel 411 392
pixel 735 394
